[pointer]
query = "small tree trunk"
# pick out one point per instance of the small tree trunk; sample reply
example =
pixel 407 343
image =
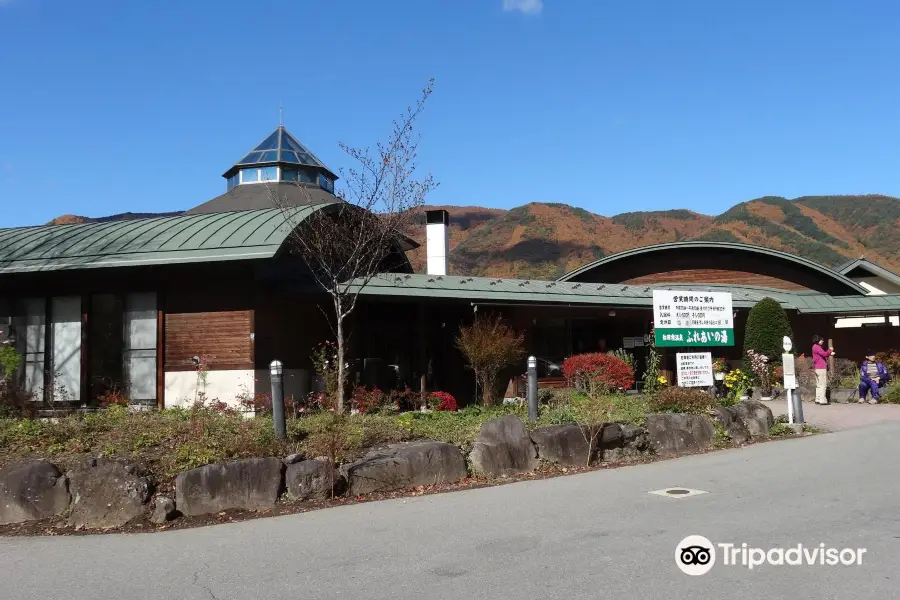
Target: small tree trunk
pixel 339 401
pixel 487 393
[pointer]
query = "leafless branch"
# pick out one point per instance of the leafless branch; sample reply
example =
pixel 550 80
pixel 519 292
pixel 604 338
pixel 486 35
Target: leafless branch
pixel 345 244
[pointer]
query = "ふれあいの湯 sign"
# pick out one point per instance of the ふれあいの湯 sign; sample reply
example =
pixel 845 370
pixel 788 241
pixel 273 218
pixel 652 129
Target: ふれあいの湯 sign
pixel 691 318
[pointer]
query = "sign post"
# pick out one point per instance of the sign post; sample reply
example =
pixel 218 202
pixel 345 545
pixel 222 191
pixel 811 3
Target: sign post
pixel 694 369
pixel 684 318
pixel 794 402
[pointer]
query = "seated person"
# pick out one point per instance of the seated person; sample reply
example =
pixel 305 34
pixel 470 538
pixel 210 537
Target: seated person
pixel 872 377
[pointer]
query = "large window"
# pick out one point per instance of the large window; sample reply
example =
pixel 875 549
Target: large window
pixel 269 174
pixel 249 175
pixel 120 355
pixel 326 184
pixel 29 322
pixel 65 345
pixel 139 353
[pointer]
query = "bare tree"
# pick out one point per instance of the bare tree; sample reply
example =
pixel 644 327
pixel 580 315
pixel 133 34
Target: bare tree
pixel 489 344
pixel 347 243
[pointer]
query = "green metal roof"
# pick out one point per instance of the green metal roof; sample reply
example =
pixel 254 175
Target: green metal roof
pixel 713 246
pixel 239 235
pixel 491 289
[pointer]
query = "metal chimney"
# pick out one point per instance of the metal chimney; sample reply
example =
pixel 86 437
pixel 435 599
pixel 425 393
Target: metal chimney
pixel 437 241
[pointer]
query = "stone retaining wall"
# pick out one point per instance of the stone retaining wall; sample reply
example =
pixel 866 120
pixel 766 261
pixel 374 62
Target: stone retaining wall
pixel 103 493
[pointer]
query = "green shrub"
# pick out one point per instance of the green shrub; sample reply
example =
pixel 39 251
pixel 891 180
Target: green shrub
pixel 891 394
pixel 781 430
pixel 630 409
pixel 767 324
pixel 681 400
pixel 559 415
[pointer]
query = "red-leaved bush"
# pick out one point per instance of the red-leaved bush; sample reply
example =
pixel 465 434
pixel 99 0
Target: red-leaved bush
pixel 366 401
pixel 598 373
pixel 442 401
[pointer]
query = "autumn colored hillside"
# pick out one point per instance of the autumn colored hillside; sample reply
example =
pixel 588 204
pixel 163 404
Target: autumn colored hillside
pixel 546 240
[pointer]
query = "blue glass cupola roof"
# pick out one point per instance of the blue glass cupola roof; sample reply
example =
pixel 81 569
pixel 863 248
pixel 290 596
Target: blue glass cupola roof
pixel 280 157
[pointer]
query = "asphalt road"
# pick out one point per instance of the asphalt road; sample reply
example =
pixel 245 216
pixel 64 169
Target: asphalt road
pixel 595 535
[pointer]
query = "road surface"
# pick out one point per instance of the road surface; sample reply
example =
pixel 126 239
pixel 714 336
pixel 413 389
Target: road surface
pixel 838 417
pixel 591 536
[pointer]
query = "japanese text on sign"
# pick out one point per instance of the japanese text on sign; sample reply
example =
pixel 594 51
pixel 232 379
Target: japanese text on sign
pixel 695 369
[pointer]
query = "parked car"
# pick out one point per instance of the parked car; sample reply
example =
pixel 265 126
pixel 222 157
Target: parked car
pixel 548 368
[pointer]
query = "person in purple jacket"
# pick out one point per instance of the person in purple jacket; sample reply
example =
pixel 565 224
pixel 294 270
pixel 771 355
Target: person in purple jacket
pixel 873 376
pixel 820 364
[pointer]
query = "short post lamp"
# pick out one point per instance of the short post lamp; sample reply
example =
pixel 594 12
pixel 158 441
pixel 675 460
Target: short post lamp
pixel 276 375
pixel 532 389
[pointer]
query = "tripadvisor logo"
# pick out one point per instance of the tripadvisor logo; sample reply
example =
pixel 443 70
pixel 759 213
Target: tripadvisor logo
pixel 696 555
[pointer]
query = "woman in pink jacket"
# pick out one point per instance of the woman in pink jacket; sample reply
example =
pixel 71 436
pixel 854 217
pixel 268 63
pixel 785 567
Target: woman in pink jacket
pixel 820 364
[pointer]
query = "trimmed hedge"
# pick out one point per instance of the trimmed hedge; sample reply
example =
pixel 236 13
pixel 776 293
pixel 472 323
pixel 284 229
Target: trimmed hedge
pixel 767 325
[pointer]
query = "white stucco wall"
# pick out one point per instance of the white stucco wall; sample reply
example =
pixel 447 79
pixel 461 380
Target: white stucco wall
pixel 225 386
pixel 876 286
pixel 851 322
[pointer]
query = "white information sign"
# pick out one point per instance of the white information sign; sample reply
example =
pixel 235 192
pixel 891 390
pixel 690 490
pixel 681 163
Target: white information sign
pixel 695 369
pixel 790 373
pixel 693 318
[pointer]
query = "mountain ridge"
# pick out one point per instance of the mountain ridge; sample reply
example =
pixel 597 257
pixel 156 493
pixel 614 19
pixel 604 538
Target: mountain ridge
pixel 548 239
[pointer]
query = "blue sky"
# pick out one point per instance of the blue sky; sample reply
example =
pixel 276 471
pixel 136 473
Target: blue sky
pixel 110 106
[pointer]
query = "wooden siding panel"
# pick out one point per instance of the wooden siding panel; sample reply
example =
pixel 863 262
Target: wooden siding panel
pixel 716 276
pixel 223 335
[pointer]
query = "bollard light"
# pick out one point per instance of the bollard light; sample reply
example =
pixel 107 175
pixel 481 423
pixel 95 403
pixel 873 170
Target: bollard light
pixel 531 392
pixel 787 344
pixel 276 368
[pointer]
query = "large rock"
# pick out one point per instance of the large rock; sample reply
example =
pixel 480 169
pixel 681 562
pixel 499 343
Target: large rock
pixel 755 416
pixel 31 490
pixel 564 444
pixel 680 433
pixel 248 484
pixel 737 431
pixel 618 442
pixel 313 480
pixel 106 494
pixel 503 447
pixel 163 510
pixel 404 466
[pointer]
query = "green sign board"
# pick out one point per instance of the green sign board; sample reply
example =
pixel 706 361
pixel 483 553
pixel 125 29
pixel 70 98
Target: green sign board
pixel 684 318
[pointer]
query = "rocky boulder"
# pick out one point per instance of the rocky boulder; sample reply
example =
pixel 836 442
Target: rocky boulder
pixel 503 447
pixel 248 484
pixel 680 433
pixel 313 480
pixel 31 490
pixel 734 427
pixel 755 416
pixel 618 442
pixel 106 494
pixel 404 466
pixel 563 444
pixel 163 510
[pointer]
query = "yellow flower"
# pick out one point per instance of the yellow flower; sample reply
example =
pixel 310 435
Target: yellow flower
pixel 662 379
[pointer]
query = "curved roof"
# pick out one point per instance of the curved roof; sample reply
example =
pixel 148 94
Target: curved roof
pixel 498 291
pixel 237 235
pixel 713 246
